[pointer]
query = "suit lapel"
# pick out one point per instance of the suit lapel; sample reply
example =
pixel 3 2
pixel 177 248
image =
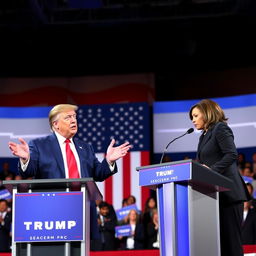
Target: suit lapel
pixel 80 151
pixel 200 142
pixel 199 145
pixel 56 152
pixel 203 140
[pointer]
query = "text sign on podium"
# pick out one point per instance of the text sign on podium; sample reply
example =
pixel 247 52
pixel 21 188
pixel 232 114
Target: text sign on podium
pixel 164 174
pixel 48 217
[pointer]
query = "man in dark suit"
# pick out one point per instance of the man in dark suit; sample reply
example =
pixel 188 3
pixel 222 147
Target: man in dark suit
pixel 5 226
pixel 60 155
pixel 107 222
pixel 217 151
pixel 249 224
pixel 46 157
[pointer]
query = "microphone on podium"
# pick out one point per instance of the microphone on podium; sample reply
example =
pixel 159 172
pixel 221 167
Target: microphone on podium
pixel 190 130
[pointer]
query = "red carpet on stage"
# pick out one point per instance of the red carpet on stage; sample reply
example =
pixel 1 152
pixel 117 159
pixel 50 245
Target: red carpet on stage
pixel 250 249
pixel 127 253
pixel 117 253
pixel 247 249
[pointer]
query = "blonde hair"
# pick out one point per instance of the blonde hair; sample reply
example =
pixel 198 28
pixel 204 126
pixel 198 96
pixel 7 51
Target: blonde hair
pixel 211 111
pixel 137 216
pixel 56 110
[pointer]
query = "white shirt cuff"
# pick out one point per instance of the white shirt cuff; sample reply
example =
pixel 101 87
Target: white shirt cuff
pixel 24 166
pixel 112 167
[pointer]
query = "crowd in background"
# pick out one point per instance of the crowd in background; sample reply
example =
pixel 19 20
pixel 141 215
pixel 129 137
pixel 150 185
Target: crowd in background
pixel 143 224
pixel 247 169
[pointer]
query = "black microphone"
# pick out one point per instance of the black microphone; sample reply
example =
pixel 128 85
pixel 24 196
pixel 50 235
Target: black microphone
pixel 190 130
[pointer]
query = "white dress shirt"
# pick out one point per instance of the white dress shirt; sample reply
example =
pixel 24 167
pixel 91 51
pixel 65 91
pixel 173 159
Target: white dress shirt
pixel 62 144
pixel 3 214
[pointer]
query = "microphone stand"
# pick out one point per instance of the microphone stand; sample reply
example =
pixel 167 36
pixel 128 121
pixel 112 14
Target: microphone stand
pixel 188 131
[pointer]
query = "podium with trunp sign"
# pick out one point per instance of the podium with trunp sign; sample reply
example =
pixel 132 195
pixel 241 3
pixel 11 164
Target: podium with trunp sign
pixel 52 216
pixel 188 206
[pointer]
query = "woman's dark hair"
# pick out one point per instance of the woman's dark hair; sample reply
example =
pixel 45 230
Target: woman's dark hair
pixel 147 208
pixel 211 111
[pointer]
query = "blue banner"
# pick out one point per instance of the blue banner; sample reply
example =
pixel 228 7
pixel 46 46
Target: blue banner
pixel 49 216
pixel 123 212
pixel 247 179
pixel 124 230
pixel 164 174
pixel 5 194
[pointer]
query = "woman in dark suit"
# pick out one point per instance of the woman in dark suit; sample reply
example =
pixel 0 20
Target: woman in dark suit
pixel 217 151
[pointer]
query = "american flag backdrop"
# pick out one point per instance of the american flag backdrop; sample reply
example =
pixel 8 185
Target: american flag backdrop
pixel 98 124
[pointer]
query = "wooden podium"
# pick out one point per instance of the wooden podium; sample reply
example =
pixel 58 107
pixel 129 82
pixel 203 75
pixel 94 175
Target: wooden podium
pixel 188 206
pixel 54 191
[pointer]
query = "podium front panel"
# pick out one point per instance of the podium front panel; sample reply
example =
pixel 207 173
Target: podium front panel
pixel 87 191
pixel 203 223
pixel 188 206
pixel 189 221
pixel 53 217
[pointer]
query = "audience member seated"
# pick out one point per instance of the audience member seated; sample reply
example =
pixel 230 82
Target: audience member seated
pixel 5 226
pixel 166 159
pixel 241 161
pixel 249 224
pixel 247 175
pixel 136 239
pixel 153 231
pixel 110 206
pixel 17 177
pixel 6 172
pixel 248 164
pixel 251 190
pixel 124 202
pixel 247 172
pixel 106 223
pixel 131 200
pixel 10 176
pixel 150 205
pixel 254 164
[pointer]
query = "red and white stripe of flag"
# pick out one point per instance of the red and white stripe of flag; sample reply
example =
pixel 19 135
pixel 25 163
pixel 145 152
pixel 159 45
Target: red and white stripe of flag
pixel 126 181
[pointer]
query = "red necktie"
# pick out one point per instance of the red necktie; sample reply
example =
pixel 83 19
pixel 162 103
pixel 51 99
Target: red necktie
pixel 71 161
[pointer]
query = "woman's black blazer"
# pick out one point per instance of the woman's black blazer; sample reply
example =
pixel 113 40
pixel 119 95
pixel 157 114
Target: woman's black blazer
pixel 217 150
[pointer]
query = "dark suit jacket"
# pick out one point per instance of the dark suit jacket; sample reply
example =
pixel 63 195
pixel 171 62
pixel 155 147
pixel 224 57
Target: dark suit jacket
pixel 151 235
pixel 217 150
pixel 139 236
pixel 5 239
pixel 107 232
pixel 249 227
pixel 46 161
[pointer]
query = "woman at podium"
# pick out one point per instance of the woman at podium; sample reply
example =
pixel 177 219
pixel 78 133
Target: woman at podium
pixel 217 151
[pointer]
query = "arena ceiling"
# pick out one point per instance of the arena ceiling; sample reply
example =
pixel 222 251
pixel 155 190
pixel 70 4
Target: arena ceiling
pixel 52 37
